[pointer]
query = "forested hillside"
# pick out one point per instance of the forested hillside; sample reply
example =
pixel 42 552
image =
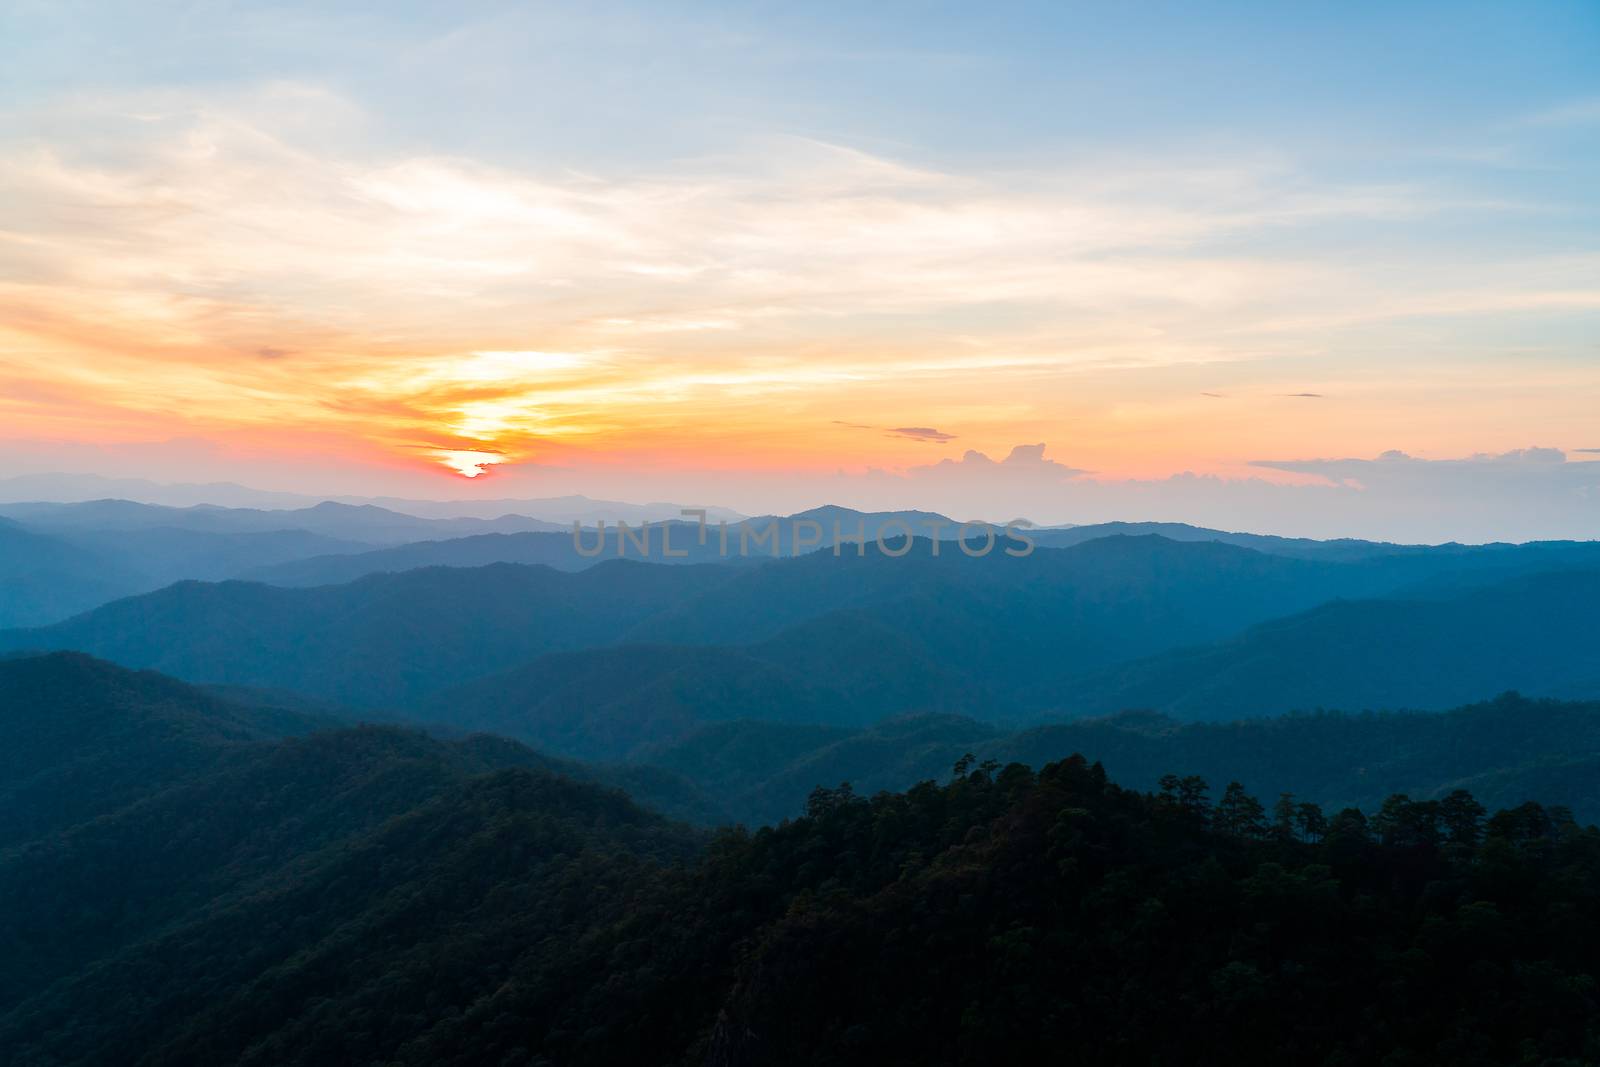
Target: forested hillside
pixel 516 917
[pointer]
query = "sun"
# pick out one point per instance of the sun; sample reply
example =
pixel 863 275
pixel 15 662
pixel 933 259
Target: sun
pixel 470 464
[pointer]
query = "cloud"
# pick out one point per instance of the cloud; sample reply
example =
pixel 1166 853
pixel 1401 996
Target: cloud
pixel 1394 467
pixel 1516 495
pixel 1307 396
pixel 922 433
pixel 144 235
pixel 1524 494
pixel 1026 461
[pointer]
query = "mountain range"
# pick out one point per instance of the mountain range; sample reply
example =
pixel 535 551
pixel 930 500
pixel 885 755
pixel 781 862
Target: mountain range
pixel 602 663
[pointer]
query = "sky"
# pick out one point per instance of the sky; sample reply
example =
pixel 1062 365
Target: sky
pixel 1314 268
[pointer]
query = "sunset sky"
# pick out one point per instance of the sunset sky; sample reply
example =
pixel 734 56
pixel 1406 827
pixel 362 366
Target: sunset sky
pixel 769 255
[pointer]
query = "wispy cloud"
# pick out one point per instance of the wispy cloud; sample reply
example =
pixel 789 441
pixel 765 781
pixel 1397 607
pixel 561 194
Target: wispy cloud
pixel 922 433
pixel 260 260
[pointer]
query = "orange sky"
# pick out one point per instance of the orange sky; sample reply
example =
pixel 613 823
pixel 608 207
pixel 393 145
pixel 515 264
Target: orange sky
pixel 291 263
pixel 223 284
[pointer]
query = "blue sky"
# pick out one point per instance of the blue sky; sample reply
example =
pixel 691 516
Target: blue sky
pixel 1348 84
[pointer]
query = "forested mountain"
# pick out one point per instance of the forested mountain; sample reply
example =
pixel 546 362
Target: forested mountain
pixel 1534 634
pixel 1027 622
pixel 369 897
pixel 990 651
pixel 79 738
pixel 853 639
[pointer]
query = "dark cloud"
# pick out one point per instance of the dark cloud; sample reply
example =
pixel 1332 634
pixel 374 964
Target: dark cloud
pixel 1588 451
pixel 1216 396
pixel 1307 396
pixel 853 425
pixel 921 433
pixel 272 353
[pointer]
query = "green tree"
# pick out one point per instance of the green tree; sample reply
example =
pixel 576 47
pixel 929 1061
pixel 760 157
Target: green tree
pixel 1283 817
pixel 1463 818
pixel 1240 814
pixel 1310 821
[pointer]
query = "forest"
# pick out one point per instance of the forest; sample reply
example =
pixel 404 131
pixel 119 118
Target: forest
pixel 284 893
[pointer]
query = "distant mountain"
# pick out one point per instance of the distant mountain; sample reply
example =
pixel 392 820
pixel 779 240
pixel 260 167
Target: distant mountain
pixel 1534 634
pixel 1449 563
pixel 386 640
pixel 45 578
pixel 852 640
pixel 49 576
pixel 161 555
pixel 64 488
pixel 562 510
pixel 676 541
pixel 550 549
pixel 861 637
pixel 1300 547
pixel 366 524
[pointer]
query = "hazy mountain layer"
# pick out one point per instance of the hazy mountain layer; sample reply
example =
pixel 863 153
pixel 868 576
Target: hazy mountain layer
pixel 1534 634
pixel 1507 751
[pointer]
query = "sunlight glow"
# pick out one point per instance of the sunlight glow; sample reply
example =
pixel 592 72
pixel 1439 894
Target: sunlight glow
pixel 469 464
